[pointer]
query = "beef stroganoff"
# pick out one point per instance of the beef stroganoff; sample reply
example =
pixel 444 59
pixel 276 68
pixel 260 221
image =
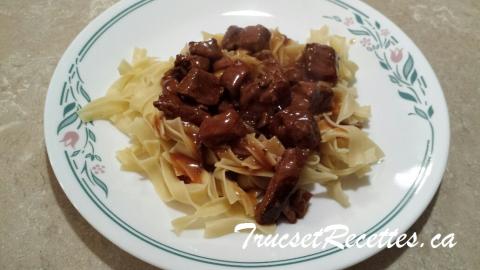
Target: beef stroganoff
pixel 237 126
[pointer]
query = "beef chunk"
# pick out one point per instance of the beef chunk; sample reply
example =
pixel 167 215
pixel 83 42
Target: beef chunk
pixel 233 77
pixel 173 107
pixel 184 63
pixel 298 205
pixel 299 202
pixel 208 49
pixel 320 62
pixel 231 38
pixel 275 84
pixel 289 214
pixel 276 94
pixel 294 126
pixel 315 97
pixel 222 63
pixel 202 86
pixel 255 113
pixel 281 186
pixel 255 38
pixel 258 115
pixel 300 101
pixel 226 106
pixel 199 62
pixel 251 38
pixel 169 82
pixel 323 103
pixel 249 94
pixel 296 72
pixel 261 98
pixel 221 129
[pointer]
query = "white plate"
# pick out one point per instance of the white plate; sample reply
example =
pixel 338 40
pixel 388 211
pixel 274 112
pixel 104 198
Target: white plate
pixel 410 123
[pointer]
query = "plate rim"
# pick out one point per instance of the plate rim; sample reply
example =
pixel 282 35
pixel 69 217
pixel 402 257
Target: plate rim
pixel 132 5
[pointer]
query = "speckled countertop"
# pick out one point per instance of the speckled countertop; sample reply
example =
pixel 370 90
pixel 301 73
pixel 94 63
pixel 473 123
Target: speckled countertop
pixel 40 229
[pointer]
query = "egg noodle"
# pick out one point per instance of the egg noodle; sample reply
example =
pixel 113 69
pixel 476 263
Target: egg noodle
pixel 219 203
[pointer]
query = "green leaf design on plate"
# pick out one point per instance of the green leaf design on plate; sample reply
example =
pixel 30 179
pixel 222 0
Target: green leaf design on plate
pixel 423 82
pixel 384 66
pixel 91 156
pixel 393 79
pixel 359 32
pixel 377 24
pixel 100 183
pixel 421 113
pixel 358 18
pixel 74 154
pixel 335 18
pixel 414 76
pixel 387 44
pixel 407 96
pixel 395 41
pixel 407 68
pixel 69 108
pixel 85 94
pixel 91 135
pixel 67 121
pixel 430 112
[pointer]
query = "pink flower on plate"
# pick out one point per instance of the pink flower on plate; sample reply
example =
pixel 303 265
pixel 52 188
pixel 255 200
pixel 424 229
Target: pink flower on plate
pixel 348 21
pixel 98 169
pixel 396 55
pixel 70 139
pixel 385 32
pixel 365 42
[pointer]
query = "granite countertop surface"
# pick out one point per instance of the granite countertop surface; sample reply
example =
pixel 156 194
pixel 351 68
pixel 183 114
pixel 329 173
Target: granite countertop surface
pixel 39 227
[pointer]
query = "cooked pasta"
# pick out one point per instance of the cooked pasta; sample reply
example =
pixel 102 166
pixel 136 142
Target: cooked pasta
pixel 165 151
